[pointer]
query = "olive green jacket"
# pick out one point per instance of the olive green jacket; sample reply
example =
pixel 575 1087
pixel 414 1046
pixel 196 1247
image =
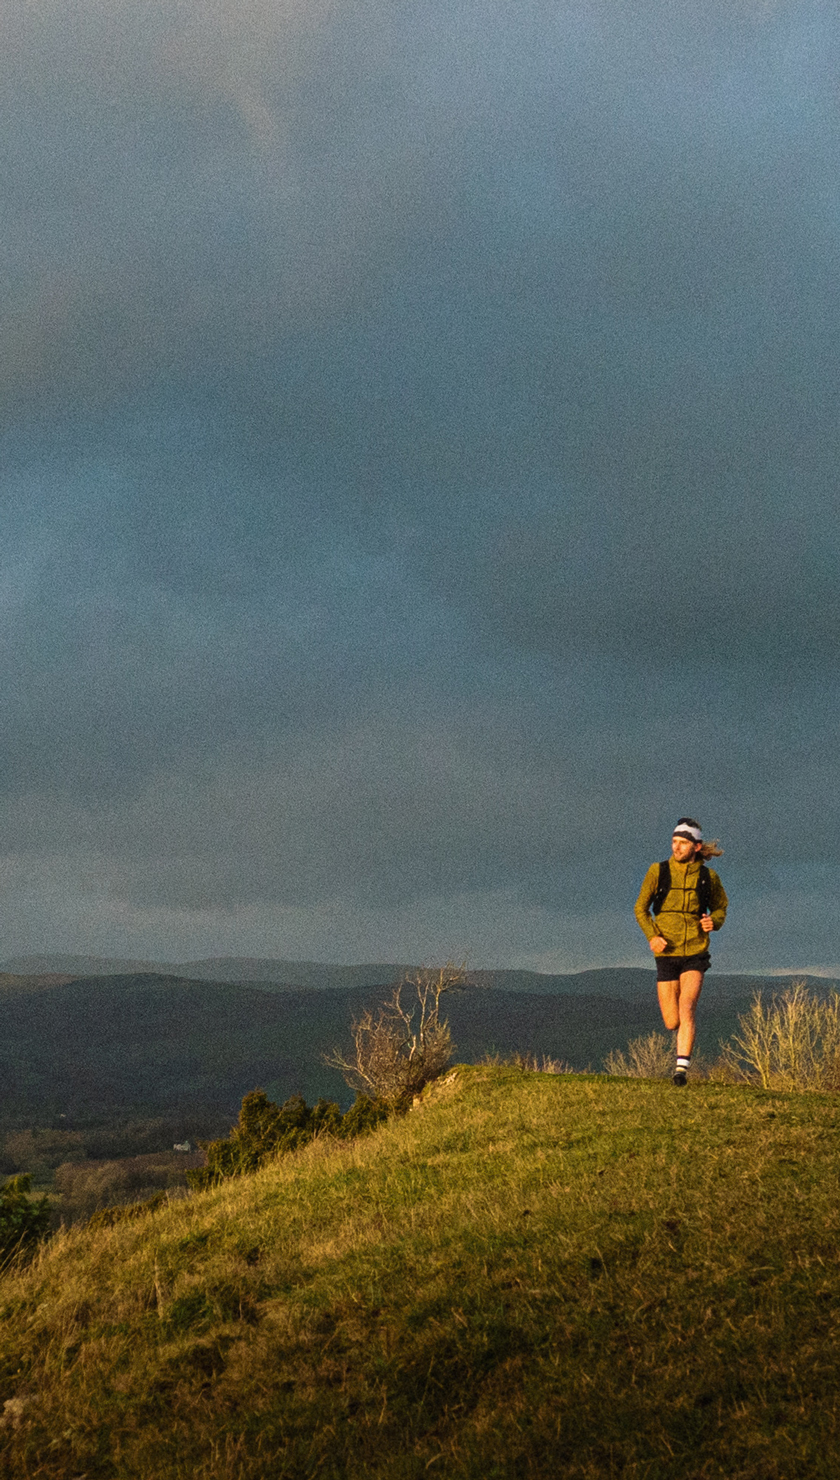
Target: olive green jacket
pixel 679 918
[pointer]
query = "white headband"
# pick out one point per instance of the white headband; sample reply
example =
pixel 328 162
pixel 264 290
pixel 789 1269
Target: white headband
pixel 682 830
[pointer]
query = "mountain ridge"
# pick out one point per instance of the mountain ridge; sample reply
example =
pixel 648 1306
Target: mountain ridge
pixel 629 982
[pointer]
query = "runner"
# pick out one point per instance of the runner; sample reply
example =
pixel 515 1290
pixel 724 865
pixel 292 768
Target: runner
pixel 679 904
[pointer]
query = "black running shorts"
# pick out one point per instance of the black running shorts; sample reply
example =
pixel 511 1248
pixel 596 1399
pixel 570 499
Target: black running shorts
pixel 671 968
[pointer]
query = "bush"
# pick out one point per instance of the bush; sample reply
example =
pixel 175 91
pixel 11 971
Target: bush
pixel 403 1045
pixel 363 1116
pixel 265 1130
pixel 23 1222
pixel 651 1057
pixel 791 1042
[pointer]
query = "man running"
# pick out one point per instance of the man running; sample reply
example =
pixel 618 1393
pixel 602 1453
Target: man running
pixel 680 903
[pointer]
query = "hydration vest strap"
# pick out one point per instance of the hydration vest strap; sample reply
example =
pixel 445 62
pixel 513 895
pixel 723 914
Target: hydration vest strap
pixel 704 888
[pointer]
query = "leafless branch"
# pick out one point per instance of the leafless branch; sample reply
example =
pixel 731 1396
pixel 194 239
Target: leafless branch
pixel 402 1045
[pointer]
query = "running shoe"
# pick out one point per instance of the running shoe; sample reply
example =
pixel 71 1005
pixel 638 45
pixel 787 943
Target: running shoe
pixel 680 1077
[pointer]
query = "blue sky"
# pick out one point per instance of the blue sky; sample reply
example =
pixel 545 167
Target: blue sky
pixel 420 449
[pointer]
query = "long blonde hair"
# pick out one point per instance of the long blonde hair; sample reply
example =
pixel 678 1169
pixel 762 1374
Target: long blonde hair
pixel 712 849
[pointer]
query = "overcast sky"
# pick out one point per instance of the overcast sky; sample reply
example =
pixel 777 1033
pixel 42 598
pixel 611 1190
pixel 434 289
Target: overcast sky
pixel 420 459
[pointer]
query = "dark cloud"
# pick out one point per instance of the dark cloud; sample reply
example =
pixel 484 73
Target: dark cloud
pixel 419 459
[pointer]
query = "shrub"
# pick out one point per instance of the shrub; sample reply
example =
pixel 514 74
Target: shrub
pixel 364 1115
pixel 402 1045
pixel 265 1130
pixel 23 1221
pixel 651 1057
pixel 791 1042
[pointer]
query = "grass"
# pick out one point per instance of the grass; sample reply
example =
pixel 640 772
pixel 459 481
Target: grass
pixel 529 1275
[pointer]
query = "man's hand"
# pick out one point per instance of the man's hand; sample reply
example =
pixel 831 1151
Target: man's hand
pixel 706 923
pixel 658 944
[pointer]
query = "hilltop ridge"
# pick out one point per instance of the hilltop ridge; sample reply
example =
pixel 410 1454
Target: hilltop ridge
pixel 529 1275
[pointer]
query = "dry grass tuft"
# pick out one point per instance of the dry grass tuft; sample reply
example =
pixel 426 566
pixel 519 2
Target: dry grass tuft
pixel 791 1042
pixel 649 1057
pixel 529 1063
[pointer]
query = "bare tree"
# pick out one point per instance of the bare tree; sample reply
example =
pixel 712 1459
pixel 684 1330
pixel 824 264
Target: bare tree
pixel 402 1045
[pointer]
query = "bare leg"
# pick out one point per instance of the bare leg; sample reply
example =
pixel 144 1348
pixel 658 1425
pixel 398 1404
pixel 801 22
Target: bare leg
pixel 678 1005
pixel 669 1003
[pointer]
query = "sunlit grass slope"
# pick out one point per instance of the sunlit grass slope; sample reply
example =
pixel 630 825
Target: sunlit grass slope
pixel 527 1276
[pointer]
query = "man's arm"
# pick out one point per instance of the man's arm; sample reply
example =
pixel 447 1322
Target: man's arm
pixel 641 909
pixel 719 901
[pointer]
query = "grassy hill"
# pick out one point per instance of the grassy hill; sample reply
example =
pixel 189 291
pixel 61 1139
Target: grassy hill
pixel 528 1276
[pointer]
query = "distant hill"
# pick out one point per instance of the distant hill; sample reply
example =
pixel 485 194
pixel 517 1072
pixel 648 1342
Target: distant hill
pixel 10 982
pixel 146 1045
pixel 630 983
pixel 268 972
pixel 74 966
pixel 143 1044
pixel 315 974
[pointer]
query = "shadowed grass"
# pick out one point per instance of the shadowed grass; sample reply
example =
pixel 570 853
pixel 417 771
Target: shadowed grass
pixel 529 1275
